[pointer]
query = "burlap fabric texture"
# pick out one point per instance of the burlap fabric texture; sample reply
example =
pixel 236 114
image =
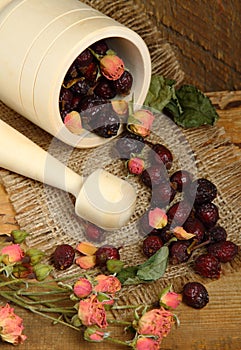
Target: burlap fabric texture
pixel 48 214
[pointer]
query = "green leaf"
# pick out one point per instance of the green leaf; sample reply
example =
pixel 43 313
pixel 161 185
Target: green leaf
pixel 197 108
pixel 155 266
pixel 160 93
pixel 127 273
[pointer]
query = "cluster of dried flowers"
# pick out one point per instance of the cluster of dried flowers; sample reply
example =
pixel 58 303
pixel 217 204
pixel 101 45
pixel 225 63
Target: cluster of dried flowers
pixel 91 300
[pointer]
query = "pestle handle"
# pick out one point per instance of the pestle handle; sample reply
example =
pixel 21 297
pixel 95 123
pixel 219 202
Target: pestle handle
pixel 22 156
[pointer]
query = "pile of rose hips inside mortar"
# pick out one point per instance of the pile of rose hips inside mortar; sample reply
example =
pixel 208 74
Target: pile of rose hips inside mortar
pixel 94 79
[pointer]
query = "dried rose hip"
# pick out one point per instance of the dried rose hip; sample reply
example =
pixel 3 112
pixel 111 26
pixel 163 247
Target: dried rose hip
pixel 106 252
pixel 196 227
pixel 160 154
pixel 129 143
pixel 202 191
pixel 93 232
pixel 162 194
pixel 123 84
pixel 63 256
pixel 194 294
pixel 216 234
pixel 154 175
pixel 208 213
pixel 178 252
pixel 181 179
pixel 179 212
pixel 151 245
pixel 207 265
pixel 224 251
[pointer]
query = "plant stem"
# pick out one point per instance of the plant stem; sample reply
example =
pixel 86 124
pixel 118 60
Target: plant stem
pixel 117 341
pixel 124 323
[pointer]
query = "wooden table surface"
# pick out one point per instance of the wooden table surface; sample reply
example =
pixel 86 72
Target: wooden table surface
pixel 206 61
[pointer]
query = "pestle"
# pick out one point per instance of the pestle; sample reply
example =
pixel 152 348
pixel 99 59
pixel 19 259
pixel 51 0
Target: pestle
pixel 102 198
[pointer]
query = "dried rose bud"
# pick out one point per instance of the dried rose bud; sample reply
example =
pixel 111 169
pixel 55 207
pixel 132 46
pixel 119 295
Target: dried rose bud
pixel 73 123
pixel 135 166
pixel 82 288
pixel 11 326
pixel 112 67
pixel 42 271
pixel 107 284
pixel 157 218
pixel 169 299
pixel 35 255
pixel 11 254
pixel 94 334
pixel 143 343
pixel 140 122
pixel 19 236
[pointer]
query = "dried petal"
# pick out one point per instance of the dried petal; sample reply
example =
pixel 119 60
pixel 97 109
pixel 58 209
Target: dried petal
pixel 86 248
pixel 86 262
pixel 182 234
pixel 120 106
pixel 73 123
pixel 157 218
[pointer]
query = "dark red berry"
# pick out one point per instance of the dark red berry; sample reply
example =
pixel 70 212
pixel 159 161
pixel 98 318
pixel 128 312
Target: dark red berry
pixel 207 265
pixel 208 213
pixel 178 213
pixel 202 191
pixel 216 234
pixel 93 233
pixel 84 59
pixel 124 83
pixel 81 87
pixel 181 179
pixel 100 47
pixel 151 245
pixel 90 72
pixel 224 251
pixel 129 143
pixel 194 294
pixel 196 227
pixel 105 88
pixel 178 252
pixel 154 175
pixel 160 154
pixel 106 123
pixel 162 194
pixel 105 253
pixel 166 233
pixel 63 256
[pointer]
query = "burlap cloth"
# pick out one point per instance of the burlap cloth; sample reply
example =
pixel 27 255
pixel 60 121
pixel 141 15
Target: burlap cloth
pixel 48 214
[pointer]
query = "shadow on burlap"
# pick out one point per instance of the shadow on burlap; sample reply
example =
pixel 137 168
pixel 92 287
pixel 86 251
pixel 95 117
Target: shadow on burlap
pixel 48 213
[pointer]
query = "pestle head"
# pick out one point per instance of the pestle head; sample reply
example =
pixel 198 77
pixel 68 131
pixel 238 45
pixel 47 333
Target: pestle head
pixel 106 200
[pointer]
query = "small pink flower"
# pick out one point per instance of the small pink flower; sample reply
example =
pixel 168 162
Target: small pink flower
pixel 140 122
pixel 13 252
pixel 170 299
pixel 136 165
pixel 144 343
pixel 112 67
pixel 82 288
pixel 94 334
pixel 107 284
pixel 92 312
pixel 73 123
pixel 11 326
pixel 156 322
pixel 157 218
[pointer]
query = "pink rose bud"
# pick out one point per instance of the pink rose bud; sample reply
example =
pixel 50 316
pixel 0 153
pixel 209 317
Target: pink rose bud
pixel 107 284
pixel 11 326
pixel 157 218
pixel 12 253
pixel 135 166
pixel 140 122
pixel 112 67
pixel 144 343
pixel 73 123
pixel 170 299
pixel 82 288
pixel 181 234
pixel 94 334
